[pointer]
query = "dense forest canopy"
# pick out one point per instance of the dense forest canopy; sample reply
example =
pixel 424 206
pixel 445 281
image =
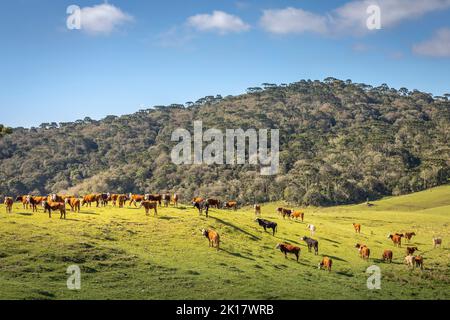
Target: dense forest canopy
pixel 340 142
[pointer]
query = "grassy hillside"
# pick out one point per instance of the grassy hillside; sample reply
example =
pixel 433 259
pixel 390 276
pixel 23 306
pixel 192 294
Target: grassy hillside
pixel 124 254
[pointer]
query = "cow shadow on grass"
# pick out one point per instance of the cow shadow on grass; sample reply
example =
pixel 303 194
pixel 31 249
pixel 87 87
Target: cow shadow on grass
pixel 27 214
pixel 89 213
pixel 253 237
pixel 237 254
pixel 167 218
pixel 332 241
pixel 337 258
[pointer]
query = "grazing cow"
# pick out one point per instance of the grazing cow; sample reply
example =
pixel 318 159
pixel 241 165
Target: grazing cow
pixel 419 262
pixel 280 211
pixel 166 200
pixel 357 227
pixel 74 203
pixel 213 238
pixel 8 204
pixel 89 199
pixel 104 199
pixel 437 242
pixel 411 250
pixel 175 199
pixel 396 239
pixel 287 212
pixel 230 205
pixel 312 229
pixel 23 200
pixel 312 244
pixel 154 197
pixel 287 248
pixel 135 198
pixel 298 214
pixel 121 200
pixel 257 208
pixel 409 235
pixel 204 205
pixel 364 251
pixel 149 205
pixel 34 202
pixel 267 225
pixel 113 199
pixel 326 263
pixel 54 206
pixel 214 203
pixel 387 255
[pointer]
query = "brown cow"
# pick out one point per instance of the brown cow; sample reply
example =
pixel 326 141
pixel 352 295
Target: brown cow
pixel 149 205
pixel 34 202
pixel 213 238
pixel 409 235
pixel 74 203
pixel 230 205
pixel 213 203
pixel 396 239
pixel 23 200
pixel 175 199
pixel 287 212
pixel 437 242
pixel 197 200
pixel 121 200
pixel 54 206
pixel 419 262
pixel 287 248
pixel 364 251
pixel 257 208
pixel 154 197
pixel 357 227
pixel 280 211
pixel 326 263
pixel 89 199
pixel 8 204
pixel 135 198
pixel 55 198
pixel 387 255
pixel 298 214
pixel 411 250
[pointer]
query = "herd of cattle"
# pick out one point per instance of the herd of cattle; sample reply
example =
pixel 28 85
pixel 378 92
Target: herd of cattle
pixel 149 202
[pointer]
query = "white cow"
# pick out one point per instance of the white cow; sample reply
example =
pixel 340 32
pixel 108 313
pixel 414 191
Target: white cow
pixel 312 229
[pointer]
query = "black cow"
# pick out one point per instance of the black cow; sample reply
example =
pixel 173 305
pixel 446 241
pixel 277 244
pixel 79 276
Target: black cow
pixel 204 205
pixel 312 244
pixel 267 225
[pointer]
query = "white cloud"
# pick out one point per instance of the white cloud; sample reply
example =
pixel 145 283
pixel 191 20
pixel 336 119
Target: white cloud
pixel 218 21
pixel 351 18
pixel 103 19
pixel 291 20
pixel 437 46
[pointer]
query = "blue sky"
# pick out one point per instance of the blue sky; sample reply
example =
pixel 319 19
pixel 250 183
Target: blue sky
pixel 134 54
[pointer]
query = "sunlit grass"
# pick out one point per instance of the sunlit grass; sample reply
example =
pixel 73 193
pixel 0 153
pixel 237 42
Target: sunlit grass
pixel 124 254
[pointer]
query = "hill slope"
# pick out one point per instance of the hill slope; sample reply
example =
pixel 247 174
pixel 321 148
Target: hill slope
pixel 125 255
pixel 340 143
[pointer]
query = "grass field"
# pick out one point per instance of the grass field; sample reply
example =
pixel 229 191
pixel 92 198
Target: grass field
pixel 124 254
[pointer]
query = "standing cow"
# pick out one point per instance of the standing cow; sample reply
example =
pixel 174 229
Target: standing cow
pixel 257 208
pixel 312 244
pixel 213 238
pixel 9 204
pixel 312 229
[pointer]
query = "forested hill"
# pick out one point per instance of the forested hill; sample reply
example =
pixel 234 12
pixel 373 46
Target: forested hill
pixel 340 142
